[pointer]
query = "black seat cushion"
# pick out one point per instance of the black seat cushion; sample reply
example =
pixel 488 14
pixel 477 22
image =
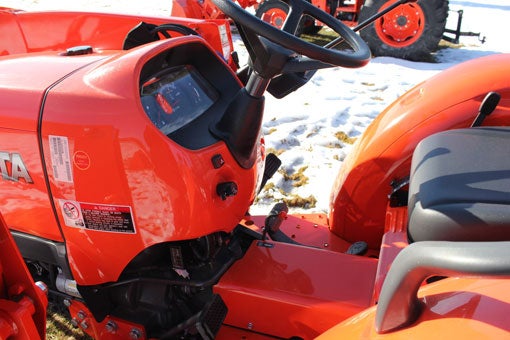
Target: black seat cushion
pixel 460 186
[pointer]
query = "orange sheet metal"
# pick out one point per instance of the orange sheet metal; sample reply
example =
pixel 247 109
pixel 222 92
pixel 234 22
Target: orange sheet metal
pixel 288 290
pixel 452 309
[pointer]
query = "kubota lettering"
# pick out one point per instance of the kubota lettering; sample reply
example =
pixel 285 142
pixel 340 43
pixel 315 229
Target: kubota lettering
pixel 13 168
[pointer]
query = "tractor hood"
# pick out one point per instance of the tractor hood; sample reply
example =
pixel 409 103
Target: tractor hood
pixel 120 142
pixel 25 79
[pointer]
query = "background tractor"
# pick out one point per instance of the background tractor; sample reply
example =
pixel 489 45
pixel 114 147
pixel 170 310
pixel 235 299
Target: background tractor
pixel 410 31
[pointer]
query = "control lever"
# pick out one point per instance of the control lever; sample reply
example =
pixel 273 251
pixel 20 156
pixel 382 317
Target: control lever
pixel 273 222
pixel 489 104
pixel 271 166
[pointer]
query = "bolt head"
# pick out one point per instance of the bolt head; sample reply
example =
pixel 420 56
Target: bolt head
pixel 111 326
pixel 135 334
pixel 84 325
pixel 42 286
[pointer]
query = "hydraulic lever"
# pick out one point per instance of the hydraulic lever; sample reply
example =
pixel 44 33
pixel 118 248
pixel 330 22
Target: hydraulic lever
pixel 273 222
pixel 489 104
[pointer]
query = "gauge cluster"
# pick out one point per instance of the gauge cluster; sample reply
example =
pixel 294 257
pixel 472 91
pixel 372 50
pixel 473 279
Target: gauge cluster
pixel 186 89
pixel 177 97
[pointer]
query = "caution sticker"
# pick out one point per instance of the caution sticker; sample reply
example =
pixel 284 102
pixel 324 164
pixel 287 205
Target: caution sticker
pixel 225 42
pixel 100 217
pixel 60 159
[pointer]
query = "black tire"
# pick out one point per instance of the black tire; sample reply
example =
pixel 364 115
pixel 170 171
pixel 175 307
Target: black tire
pixel 418 47
pixel 310 28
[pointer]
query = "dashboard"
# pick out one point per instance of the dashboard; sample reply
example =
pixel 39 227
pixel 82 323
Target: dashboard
pixel 185 90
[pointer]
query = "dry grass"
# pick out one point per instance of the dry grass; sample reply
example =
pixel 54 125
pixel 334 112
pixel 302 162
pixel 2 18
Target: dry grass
pixel 296 201
pixel 58 327
pixel 271 130
pixel 298 178
pixel 292 200
pixel 277 152
pixel 343 137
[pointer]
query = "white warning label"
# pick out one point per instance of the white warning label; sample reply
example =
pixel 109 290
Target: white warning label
pixel 61 159
pixel 225 42
pixel 101 217
pixel 71 211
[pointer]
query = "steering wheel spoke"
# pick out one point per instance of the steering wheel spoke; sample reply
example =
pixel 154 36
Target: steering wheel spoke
pixel 292 22
pixel 296 11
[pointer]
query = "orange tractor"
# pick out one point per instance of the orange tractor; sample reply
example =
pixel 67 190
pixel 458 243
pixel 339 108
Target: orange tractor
pixel 132 151
pixel 412 30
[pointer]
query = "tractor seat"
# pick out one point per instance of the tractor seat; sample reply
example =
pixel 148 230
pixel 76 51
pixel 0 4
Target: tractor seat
pixel 460 186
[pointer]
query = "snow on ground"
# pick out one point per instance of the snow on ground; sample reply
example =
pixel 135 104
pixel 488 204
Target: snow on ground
pixel 304 125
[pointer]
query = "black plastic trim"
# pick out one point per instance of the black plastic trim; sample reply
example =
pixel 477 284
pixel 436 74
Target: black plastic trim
pixel 44 250
pixel 240 127
pixel 399 305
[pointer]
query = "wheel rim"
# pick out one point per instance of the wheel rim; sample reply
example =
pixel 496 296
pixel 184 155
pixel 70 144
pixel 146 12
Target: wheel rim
pixel 275 17
pixel 402 26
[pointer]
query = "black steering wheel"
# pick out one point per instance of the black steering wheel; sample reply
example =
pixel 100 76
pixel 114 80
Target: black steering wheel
pixel 359 56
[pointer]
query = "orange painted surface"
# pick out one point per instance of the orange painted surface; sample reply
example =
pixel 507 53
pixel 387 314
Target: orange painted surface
pixel 393 241
pixel 126 158
pixel 22 304
pixel 22 32
pixel 360 194
pixel 26 206
pixel 108 329
pixel 169 193
pixel 453 309
pixel 233 333
pixel 122 157
pixel 89 110
pixel 392 244
pixel 307 229
pixel 203 9
pixel 287 290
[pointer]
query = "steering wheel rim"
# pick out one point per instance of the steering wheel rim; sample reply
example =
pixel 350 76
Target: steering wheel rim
pixel 298 8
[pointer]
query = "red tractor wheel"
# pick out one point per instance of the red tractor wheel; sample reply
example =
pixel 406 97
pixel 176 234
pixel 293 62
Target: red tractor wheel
pixel 275 13
pixel 410 31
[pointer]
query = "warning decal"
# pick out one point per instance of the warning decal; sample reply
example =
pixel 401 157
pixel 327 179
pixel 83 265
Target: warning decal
pixel 225 42
pixel 60 159
pixel 101 217
pixel 71 210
